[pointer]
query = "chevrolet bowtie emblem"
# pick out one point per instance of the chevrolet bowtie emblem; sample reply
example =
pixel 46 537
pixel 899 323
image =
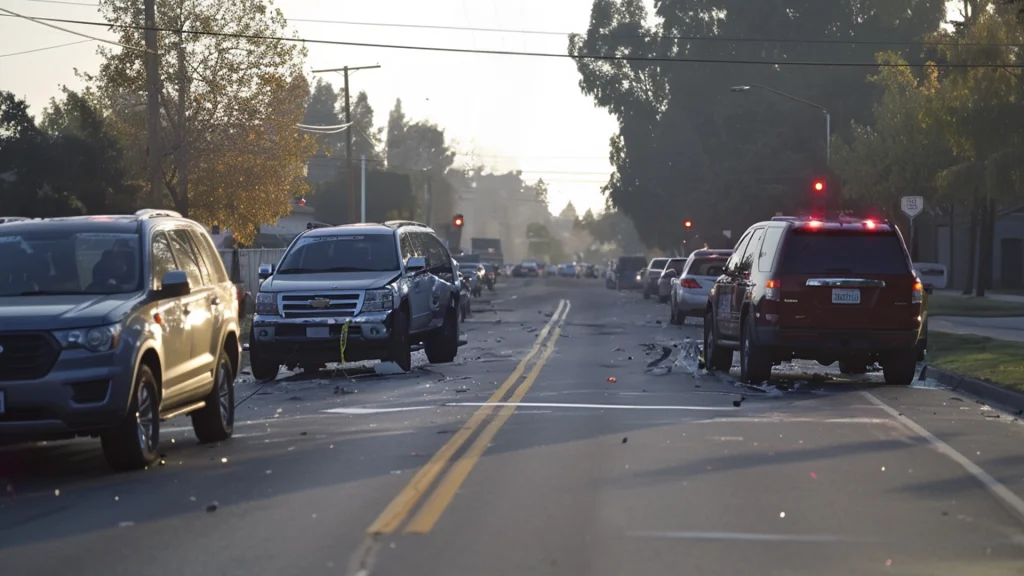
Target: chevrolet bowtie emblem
pixel 320 303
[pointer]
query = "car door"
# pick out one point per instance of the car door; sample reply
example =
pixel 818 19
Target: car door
pixel 742 281
pixel 440 278
pixel 420 286
pixel 197 313
pixel 223 296
pixel 176 350
pixel 724 289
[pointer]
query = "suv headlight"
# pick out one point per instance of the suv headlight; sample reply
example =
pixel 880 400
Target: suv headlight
pixel 379 300
pixel 102 339
pixel 266 304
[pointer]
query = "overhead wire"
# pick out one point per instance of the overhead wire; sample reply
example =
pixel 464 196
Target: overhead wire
pixel 44 48
pixel 456 50
pixel 44 22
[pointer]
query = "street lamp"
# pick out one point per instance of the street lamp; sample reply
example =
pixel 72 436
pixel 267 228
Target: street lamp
pixel 828 117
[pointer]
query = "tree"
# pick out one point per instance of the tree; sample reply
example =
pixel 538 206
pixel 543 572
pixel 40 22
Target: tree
pixel 231 97
pixel 569 212
pixel 322 111
pixel 366 139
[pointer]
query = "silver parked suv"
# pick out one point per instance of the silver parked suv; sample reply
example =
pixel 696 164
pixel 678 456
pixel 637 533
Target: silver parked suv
pixel 394 284
pixel 110 324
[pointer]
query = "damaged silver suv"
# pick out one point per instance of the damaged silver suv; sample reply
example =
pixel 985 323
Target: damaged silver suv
pixel 393 285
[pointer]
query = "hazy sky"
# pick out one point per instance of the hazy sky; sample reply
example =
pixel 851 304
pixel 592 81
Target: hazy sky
pixel 513 112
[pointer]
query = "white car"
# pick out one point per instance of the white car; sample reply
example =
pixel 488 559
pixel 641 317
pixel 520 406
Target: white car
pixel 690 291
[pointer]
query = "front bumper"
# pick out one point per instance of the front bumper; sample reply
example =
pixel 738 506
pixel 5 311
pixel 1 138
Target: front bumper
pixel 83 393
pixel 318 340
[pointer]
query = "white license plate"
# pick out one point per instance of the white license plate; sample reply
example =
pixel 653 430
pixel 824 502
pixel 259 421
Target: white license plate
pixel 845 296
pixel 318 332
pixel 2 405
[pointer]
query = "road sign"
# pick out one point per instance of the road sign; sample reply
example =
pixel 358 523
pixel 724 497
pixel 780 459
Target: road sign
pixel 912 205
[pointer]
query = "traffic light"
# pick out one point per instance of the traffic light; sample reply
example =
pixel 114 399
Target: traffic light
pixel 457 221
pixel 688 224
pixel 819 197
pixel 819 186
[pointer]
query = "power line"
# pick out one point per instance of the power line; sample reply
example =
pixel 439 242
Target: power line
pixel 92 4
pixel 604 57
pixel 43 22
pixel 44 48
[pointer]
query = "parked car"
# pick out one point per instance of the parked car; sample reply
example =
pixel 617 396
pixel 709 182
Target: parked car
pixel 838 290
pixel 393 285
pixel 488 276
pixel 111 324
pixel 629 272
pixel 567 270
pixel 673 268
pixel 689 293
pixel 651 274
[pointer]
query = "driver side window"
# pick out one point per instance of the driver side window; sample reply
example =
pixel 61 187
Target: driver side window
pixel 732 266
pixel 161 259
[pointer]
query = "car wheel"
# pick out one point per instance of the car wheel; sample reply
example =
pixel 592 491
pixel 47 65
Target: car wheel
pixel 263 369
pixel 663 299
pixel 443 345
pixel 852 367
pixel 132 444
pixel 215 422
pixel 647 295
pixel 900 368
pixel 755 364
pixel 716 358
pixel 399 350
pixel 673 314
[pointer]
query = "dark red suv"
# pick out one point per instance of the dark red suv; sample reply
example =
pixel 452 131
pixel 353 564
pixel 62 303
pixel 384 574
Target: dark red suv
pixel 838 290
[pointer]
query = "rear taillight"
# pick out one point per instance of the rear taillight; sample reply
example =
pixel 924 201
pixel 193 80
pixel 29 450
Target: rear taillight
pixel 772 290
pixel 918 294
pixel 690 283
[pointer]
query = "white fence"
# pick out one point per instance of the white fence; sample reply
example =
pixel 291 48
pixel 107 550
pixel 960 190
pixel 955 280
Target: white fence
pixel 249 261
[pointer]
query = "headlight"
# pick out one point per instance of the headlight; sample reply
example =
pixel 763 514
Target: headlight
pixel 100 339
pixel 639 276
pixel 379 301
pixel 266 304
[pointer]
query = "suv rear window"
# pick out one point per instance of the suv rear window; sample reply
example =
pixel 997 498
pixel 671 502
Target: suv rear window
pixel 843 252
pixel 631 264
pixel 714 266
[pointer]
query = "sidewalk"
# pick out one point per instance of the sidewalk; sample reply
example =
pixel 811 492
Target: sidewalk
pixel 1015 298
pixel 1011 329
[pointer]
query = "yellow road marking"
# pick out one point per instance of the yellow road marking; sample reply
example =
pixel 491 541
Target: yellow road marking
pixel 398 510
pixel 435 506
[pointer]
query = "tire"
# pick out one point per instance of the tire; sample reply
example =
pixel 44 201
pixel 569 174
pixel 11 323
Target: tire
pixel 443 345
pixel 673 315
pixel 716 358
pixel 755 363
pixel 900 368
pixel 647 295
pixel 663 299
pixel 216 421
pixel 133 443
pixel 852 367
pixel 399 350
pixel 263 369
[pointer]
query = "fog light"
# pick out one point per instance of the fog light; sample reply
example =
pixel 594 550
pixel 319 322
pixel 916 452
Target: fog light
pixel 374 331
pixel 264 333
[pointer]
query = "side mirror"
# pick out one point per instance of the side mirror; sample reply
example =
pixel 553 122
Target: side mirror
pixel 265 271
pixel 174 285
pixel 416 264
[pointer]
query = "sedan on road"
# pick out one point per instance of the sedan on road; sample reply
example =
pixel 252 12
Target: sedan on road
pixel 651 275
pixel 689 293
pixel 672 270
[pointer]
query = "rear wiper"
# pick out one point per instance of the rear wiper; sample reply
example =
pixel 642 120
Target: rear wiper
pixel 838 270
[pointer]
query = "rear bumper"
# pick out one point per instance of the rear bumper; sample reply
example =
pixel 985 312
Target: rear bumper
pixel 803 343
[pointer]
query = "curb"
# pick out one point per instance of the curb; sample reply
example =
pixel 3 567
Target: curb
pixel 984 390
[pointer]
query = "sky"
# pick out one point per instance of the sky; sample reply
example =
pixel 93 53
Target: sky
pixel 505 112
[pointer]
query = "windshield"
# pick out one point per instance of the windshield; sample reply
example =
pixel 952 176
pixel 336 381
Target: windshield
pixel 822 252
pixel 658 263
pixel 324 254
pixel 39 263
pixel 709 266
pixel 675 264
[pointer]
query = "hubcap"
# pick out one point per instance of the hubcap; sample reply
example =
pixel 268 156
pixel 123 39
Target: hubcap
pixel 224 391
pixel 145 418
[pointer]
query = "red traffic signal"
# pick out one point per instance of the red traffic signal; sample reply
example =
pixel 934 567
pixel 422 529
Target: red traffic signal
pixel 688 224
pixel 457 221
pixel 819 186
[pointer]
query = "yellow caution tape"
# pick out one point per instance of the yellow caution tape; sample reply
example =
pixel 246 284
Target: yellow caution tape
pixel 344 339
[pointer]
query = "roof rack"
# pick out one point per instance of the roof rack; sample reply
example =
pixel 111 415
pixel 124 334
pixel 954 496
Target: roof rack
pixel 147 213
pixel 401 223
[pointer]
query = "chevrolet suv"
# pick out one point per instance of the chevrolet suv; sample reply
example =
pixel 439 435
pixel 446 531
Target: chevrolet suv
pixel 379 288
pixel 828 291
pixel 110 324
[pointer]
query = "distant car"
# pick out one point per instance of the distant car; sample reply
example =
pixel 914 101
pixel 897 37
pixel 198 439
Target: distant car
pixel 567 270
pixel 551 270
pixel 651 275
pixel 530 269
pixel 629 272
pixel 689 293
pixel 672 270
pixel 824 290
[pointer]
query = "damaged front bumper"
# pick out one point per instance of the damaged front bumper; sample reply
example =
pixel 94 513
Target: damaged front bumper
pixel 318 340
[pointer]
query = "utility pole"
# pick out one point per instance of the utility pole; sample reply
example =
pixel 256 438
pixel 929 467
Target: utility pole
pixel 350 177
pixel 153 105
pixel 181 154
pixel 362 192
pixel 430 201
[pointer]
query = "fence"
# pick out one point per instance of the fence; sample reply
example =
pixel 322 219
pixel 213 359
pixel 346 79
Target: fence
pixel 249 261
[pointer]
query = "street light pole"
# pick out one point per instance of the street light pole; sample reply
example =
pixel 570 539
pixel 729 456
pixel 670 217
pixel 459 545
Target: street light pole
pixel 828 117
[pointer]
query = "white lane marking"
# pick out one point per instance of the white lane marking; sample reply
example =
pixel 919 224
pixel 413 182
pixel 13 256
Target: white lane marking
pixel 374 410
pixel 742 536
pixel 787 420
pixel 598 406
pixel 996 488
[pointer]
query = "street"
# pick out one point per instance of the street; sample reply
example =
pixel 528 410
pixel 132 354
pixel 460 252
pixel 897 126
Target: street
pixel 573 435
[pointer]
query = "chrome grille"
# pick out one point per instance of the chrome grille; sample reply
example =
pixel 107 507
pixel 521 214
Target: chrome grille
pixel 317 305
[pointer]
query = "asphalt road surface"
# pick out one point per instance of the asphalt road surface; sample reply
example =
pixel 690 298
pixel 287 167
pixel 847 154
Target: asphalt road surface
pixel 618 459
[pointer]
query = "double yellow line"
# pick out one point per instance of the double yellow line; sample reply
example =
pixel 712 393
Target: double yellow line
pixel 399 509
